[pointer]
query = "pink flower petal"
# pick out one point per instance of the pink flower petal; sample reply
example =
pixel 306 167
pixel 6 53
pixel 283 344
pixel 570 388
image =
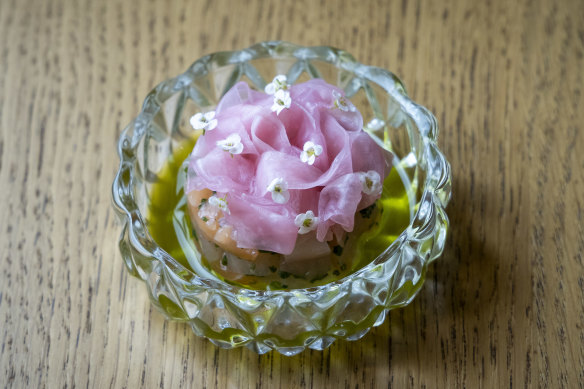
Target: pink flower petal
pixel 338 204
pixel 221 172
pixel 273 227
pixel 269 134
pixel 272 146
pixel 240 94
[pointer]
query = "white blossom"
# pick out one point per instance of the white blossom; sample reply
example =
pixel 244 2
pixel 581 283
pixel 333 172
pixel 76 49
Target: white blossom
pixel 342 103
pixel 219 202
pixel 279 189
pixel 280 82
pixel 232 144
pixel 281 100
pixel 311 151
pixel 371 182
pixel 204 121
pixel 306 222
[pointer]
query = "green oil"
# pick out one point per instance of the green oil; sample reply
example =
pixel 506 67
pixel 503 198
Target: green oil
pixel 164 198
pixel 170 226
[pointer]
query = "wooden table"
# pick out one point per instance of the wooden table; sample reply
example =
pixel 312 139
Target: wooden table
pixel 504 305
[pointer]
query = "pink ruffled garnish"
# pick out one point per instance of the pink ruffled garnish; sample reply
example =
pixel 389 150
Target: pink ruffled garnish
pixel 302 165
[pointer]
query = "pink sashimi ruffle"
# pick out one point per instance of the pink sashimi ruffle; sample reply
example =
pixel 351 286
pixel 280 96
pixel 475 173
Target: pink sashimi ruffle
pixel 272 145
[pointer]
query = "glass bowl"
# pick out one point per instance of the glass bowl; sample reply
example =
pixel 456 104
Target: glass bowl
pixel 287 321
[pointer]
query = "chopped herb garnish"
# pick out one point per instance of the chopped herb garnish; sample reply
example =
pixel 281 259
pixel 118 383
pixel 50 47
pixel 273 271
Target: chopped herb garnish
pixel 366 213
pixel 205 218
pixel 338 250
pixel 273 269
pixel 284 274
pixel 277 285
pixel 224 260
pixel 203 201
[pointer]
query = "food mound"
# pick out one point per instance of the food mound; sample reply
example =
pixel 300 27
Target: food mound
pixel 280 181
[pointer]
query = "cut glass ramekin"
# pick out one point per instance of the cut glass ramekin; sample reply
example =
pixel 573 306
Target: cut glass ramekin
pixel 291 320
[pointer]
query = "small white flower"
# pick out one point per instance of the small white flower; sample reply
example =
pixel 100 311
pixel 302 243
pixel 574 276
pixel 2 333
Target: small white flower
pixel 279 189
pixel 279 82
pixel 281 100
pixel 232 144
pixel 342 103
pixel 311 151
pixel 306 222
pixel 371 182
pixel 204 121
pixel 219 202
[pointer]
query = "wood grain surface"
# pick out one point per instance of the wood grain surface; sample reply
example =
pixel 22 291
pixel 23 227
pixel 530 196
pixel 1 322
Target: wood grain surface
pixel 504 305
